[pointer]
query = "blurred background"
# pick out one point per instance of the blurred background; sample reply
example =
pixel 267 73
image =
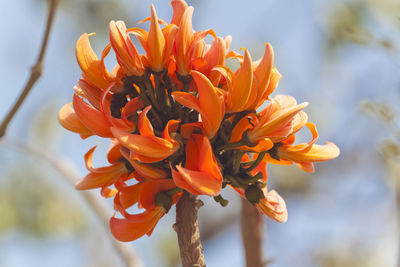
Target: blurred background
pixel 342 56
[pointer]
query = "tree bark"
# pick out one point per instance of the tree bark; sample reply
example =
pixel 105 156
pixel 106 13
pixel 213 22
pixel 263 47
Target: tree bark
pixel 187 229
pixel 252 234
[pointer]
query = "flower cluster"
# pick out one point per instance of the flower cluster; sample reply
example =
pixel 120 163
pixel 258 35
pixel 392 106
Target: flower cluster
pixel 179 119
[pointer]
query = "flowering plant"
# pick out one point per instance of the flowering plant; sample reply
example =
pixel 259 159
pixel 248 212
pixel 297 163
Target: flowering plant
pixel 179 119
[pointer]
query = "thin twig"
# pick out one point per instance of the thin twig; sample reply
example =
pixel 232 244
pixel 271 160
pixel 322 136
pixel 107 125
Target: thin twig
pixel 187 229
pixel 36 70
pixel 101 209
pixel 252 229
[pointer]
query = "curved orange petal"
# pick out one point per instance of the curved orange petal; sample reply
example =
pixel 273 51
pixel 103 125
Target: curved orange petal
pixel 169 33
pixel 181 182
pixel 242 85
pixel 263 69
pixel 127 55
pixel 155 42
pixel 145 127
pixel 187 100
pixel 184 38
pixel 97 179
pixel 212 110
pixel 148 146
pixel 70 121
pixel 179 7
pixel 202 182
pixel 315 154
pixel 277 124
pixel 273 206
pixel 206 159
pixel 151 188
pixel 148 171
pixel 92 118
pixel 91 66
pixel 137 225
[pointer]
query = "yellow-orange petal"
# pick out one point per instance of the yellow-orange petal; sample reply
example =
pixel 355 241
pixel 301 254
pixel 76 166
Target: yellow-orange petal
pixel 212 110
pixel 273 206
pixel 91 66
pixel 179 7
pixel 148 146
pixel 135 226
pixel 145 127
pixel 184 38
pixel 242 85
pixel 148 171
pixel 97 179
pixel 169 33
pixel 155 42
pixel 70 121
pixel 197 182
pixel 278 126
pixel 126 52
pixel 264 68
pixel 315 154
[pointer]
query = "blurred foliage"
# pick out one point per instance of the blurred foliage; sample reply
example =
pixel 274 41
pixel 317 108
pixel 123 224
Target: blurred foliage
pixel 33 206
pixel 356 22
pixel 31 200
pixel 345 255
pixel 167 245
pixel 389 147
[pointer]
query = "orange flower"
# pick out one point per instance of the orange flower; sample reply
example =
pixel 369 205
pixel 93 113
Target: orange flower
pixel 99 121
pixel 180 119
pixel 147 147
pixel 201 174
pixel 303 155
pixel 103 176
pixel 145 195
pixel 92 68
pixel 157 43
pixel 240 92
pixel 134 226
pixel 273 206
pixel 126 53
pixel 276 120
pixel 209 103
pixel 189 45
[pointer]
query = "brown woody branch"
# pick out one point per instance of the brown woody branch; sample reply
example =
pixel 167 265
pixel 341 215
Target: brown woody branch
pixel 187 229
pixel 36 70
pixel 252 234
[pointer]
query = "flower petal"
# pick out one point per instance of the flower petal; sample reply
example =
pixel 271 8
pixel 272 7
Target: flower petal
pixel 148 146
pixel 70 121
pixel 91 66
pixel 137 225
pixel 196 181
pixel 155 42
pixel 92 118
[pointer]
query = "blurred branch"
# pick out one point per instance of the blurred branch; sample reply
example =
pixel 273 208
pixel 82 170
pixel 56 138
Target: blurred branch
pixel 100 208
pixel 36 70
pixel 252 229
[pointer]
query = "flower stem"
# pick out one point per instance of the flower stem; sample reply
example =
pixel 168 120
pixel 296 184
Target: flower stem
pixel 252 232
pixel 187 229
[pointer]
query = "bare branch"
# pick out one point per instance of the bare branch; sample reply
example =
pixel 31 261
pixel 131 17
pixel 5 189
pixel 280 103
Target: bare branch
pixel 187 229
pixel 252 229
pixel 36 70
